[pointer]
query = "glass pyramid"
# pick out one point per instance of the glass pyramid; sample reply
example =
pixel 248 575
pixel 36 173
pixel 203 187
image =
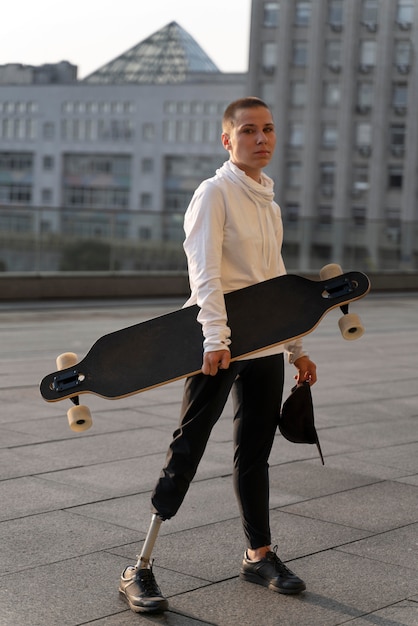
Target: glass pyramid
pixel 170 55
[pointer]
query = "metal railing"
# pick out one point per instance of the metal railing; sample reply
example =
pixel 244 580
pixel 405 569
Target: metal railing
pixel 37 239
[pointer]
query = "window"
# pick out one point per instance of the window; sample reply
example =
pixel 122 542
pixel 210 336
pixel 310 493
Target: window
pixel 329 136
pixel 15 194
pixel 393 218
pixel 403 53
pixel 369 12
pixel 48 162
pixel 298 94
pixel 146 201
pixel 296 136
pixel 294 171
pixel 332 94
pixel 395 177
pixel 169 130
pixel 197 108
pixel 291 212
pixel 400 96
pixel 211 131
pixel 358 215
pixel 269 56
pixel 397 138
pixel 271 12
pixel 364 96
pixel 363 134
pixel 16 162
pixel 324 215
pixel 147 165
pixel 148 132
pixel 360 179
pixel 405 12
pixel 183 108
pixel 300 53
pixel 327 176
pixel 182 131
pixel 333 54
pixel 303 13
pixel 92 107
pixel 196 131
pixel 368 50
pixel 210 108
pixel 46 196
pixel 268 93
pixel 48 130
pixel 335 13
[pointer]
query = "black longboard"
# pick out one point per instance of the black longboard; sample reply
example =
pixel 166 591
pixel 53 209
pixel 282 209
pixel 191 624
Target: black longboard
pixel 169 347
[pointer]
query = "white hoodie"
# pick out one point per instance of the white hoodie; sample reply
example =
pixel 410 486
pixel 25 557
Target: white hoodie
pixel 234 236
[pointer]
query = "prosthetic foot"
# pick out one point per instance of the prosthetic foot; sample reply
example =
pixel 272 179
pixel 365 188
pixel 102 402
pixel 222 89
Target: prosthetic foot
pixel 138 586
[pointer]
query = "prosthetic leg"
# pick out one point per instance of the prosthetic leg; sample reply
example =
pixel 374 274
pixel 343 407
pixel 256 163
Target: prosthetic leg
pixel 137 584
pixel 144 558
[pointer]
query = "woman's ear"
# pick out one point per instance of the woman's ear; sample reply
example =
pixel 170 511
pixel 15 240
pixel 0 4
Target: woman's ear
pixel 226 141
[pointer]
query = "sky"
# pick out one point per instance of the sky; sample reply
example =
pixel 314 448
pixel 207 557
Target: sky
pixel 90 33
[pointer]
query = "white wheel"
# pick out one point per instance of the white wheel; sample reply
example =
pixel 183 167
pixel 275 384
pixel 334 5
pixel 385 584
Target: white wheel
pixel 79 418
pixel 330 271
pixel 350 326
pixel 67 359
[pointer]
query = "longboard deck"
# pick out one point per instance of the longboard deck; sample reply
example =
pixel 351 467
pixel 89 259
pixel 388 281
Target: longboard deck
pixel 169 347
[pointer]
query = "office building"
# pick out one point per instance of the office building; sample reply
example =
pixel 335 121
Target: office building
pixel 342 79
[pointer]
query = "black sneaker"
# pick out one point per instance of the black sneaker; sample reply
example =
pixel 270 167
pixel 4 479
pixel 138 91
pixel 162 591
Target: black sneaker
pixel 140 590
pixel 272 573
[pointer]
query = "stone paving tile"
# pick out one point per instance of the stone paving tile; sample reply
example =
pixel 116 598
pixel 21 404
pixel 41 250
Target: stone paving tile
pixel 136 474
pixel 89 449
pixel 340 588
pixel 37 540
pixel 30 495
pixel 215 550
pixel 400 614
pixel 403 457
pixel 398 546
pixel 375 507
pixel 73 592
pixel 207 501
pixel 168 619
pixel 310 479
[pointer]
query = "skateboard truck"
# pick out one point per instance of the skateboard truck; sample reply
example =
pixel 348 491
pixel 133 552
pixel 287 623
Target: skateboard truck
pixel 79 416
pixel 350 324
pixel 338 288
pixel 67 380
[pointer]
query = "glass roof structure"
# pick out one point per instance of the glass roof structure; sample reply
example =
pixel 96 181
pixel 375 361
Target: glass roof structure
pixel 170 55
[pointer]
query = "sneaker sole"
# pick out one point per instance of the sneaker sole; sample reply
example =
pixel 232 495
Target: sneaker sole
pixel 253 578
pixel 160 608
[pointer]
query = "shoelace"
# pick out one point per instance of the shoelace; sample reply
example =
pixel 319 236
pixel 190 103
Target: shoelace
pixel 146 579
pixel 272 556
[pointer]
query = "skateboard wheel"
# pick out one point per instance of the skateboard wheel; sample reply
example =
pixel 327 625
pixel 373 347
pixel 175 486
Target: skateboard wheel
pixel 67 359
pixel 79 418
pixel 350 326
pixel 330 271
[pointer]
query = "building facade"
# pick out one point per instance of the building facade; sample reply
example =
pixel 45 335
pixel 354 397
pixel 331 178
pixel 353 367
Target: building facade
pixel 342 79
pixel 117 155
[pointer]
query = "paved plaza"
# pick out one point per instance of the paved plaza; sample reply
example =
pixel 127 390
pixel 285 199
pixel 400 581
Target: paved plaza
pixel 75 507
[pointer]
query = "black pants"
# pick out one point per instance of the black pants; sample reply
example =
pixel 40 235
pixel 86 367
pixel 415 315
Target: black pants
pixel 257 388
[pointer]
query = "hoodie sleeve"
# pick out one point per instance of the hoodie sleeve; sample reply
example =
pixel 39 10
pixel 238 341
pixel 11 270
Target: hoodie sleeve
pixel 204 228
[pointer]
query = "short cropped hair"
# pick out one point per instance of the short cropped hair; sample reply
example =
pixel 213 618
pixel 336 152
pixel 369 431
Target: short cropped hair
pixel 249 102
